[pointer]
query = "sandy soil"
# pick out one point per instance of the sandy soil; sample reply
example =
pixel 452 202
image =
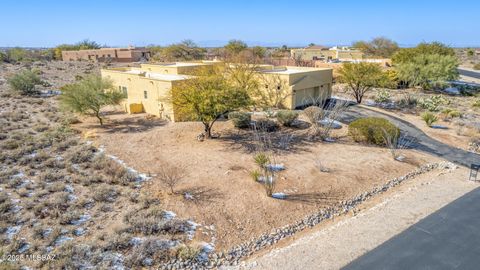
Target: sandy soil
pixel 335 244
pixel 218 173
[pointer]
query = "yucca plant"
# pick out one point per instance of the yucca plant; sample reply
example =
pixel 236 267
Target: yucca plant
pixel 429 118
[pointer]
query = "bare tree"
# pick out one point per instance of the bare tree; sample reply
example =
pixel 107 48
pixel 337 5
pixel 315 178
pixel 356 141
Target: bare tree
pixel 323 115
pixel 171 176
pixel 397 143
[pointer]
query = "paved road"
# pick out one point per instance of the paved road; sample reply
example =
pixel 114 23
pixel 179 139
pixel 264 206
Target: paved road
pixel 423 142
pixel 469 73
pixel 447 239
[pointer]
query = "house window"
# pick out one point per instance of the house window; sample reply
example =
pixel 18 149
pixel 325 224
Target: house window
pixel 125 91
pixel 145 94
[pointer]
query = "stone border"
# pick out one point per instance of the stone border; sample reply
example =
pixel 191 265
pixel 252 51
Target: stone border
pixel 233 256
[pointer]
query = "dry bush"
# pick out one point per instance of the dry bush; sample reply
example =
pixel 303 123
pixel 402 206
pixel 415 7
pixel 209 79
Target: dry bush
pixel 170 176
pixel 105 193
pixel 322 117
pixel 187 252
pixel 397 143
pixel 320 165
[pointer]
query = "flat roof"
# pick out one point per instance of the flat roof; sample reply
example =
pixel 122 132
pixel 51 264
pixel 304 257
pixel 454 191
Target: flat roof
pixel 177 64
pixel 292 70
pixel 157 76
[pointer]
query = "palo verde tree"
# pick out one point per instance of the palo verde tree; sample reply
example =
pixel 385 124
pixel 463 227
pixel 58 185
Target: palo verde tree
pixel 361 78
pixel 90 95
pixel 207 97
pixel 428 70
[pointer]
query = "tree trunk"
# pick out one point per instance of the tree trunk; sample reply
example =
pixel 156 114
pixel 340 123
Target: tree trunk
pixel 97 114
pixel 208 130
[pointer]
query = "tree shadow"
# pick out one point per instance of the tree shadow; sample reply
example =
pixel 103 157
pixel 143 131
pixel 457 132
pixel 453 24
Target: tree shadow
pixel 201 194
pixel 130 125
pixel 283 140
pixel 315 198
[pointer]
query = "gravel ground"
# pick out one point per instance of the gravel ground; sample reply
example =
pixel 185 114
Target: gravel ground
pixel 340 242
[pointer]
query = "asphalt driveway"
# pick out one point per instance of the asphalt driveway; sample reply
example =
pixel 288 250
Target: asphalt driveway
pixel 446 239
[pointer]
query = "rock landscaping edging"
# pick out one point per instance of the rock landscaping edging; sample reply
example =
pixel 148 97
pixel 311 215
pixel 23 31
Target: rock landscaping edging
pixel 233 256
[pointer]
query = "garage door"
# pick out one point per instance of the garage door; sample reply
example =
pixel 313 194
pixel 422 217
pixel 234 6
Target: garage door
pixel 303 97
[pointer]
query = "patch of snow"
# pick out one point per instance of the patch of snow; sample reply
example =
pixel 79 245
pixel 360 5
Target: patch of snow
pixel 169 215
pixel 275 167
pixel 192 229
pixel 24 247
pixel 115 260
pixel 11 231
pixel 279 195
pixel 69 189
pixel 82 219
pixel 136 241
pixel 79 231
pixel 188 196
pixel 62 239
pixel 452 91
pixel 47 232
pixel 147 262
pixel 71 197
pixel 330 123
pixel 329 139
pixel 400 158
pixel 205 250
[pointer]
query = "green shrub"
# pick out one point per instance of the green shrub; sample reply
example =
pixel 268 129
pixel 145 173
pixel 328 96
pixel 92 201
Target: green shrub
pixel 187 252
pixel 261 159
pixel 255 174
pixel 240 119
pixel 372 130
pixel 476 103
pixel 24 82
pixel 429 118
pixel 382 96
pixel 450 113
pixel 433 103
pixel 287 117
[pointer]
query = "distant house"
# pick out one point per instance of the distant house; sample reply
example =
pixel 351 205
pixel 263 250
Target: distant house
pixel 149 87
pixel 130 54
pixel 317 52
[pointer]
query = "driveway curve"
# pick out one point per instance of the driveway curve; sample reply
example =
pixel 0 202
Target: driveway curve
pixel 422 142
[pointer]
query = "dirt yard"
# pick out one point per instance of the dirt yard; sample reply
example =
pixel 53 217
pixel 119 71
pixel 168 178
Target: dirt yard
pixel 225 197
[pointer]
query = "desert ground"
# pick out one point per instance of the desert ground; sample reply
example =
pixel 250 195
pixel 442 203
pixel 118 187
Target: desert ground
pixel 74 189
pixel 224 194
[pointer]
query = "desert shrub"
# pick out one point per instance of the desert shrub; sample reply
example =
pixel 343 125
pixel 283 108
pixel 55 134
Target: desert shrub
pixel 171 176
pixel 152 221
pixel 433 103
pixel 407 101
pixel 261 159
pixel 382 96
pixel 117 172
pixel 188 252
pixel 371 130
pixel 450 113
pixel 476 66
pixel 69 217
pixel 81 154
pixel 240 119
pixel 313 113
pixel 255 174
pixel 266 125
pixel 429 118
pixel 25 82
pixel 476 103
pixel 105 193
pixel 287 117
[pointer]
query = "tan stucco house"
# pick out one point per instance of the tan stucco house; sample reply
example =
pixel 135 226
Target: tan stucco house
pixel 148 87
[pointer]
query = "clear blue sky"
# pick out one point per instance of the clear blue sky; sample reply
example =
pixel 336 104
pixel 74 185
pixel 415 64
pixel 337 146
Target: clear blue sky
pixel 213 22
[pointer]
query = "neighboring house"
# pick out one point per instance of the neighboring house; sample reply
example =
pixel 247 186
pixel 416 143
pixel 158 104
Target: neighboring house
pixel 130 54
pixel 149 87
pixel 317 52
